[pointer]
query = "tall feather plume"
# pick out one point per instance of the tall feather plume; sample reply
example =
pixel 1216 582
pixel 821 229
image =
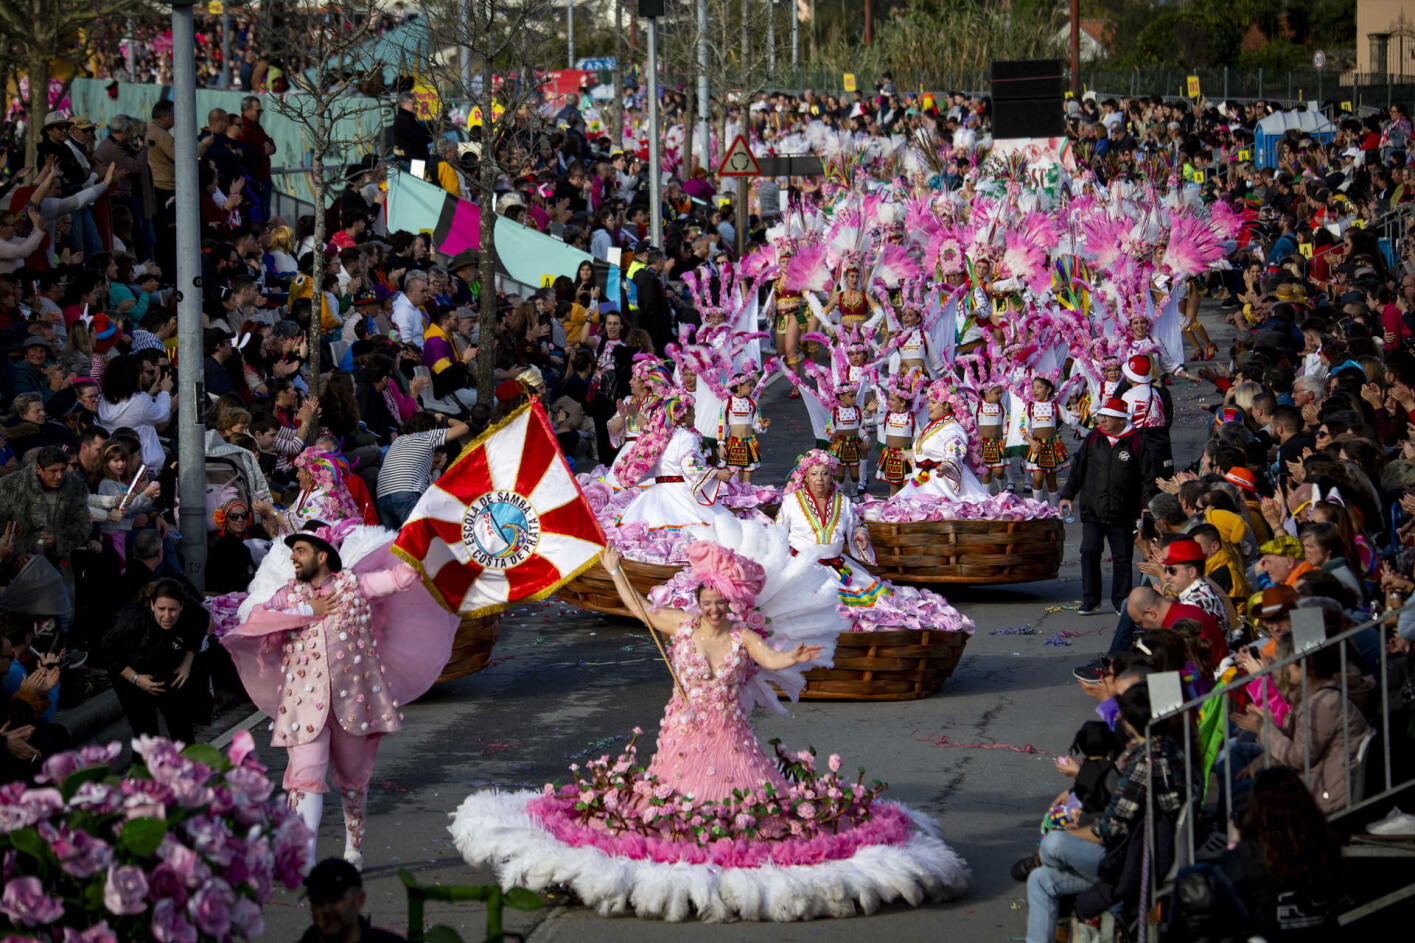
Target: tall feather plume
pixel 809 269
pixel 895 266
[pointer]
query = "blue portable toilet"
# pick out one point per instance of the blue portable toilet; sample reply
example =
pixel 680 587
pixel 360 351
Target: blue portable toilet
pixel 1269 132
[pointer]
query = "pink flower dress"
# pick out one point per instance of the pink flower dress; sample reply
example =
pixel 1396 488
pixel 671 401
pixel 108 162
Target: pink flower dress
pixel 706 747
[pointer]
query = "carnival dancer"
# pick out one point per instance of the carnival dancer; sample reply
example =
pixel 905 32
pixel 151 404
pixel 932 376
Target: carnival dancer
pixel 941 462
pixel 822 523
pixel 345 669
pixel 647 385
pixel 678 488
pixel 1041 426
pixel 857 311
pixel 791 315
pixel 991 419
pixel 837 416
pixel 324 496
pixel 897 428
pixel 713 827
pixel 741 421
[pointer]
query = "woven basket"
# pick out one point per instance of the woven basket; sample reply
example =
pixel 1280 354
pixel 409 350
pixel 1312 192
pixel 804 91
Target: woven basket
pixel 594 588
pixel 886 666
pixel 968 551
pixel 471 647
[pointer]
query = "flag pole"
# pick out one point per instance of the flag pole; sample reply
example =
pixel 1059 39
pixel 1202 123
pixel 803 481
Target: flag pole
pixel 632 597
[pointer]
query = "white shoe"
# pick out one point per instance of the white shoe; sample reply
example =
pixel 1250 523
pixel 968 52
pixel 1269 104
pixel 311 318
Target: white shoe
pixel 1397 823
pixel 356 858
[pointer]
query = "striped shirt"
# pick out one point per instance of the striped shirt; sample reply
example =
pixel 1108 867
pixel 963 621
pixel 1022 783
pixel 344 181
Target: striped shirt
pixel 408 464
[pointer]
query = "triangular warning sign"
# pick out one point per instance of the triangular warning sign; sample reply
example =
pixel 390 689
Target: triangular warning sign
pixel 739 161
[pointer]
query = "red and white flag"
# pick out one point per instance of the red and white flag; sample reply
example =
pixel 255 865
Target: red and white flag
pixel 506 523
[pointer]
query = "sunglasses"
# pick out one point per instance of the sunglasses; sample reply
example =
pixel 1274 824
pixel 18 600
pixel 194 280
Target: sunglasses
pixel 237 516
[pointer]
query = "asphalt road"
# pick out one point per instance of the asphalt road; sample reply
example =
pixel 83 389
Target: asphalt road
pixel 566 684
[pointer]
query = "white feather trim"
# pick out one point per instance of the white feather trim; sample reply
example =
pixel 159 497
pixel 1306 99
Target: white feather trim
pixel 494 828
pixel 276 570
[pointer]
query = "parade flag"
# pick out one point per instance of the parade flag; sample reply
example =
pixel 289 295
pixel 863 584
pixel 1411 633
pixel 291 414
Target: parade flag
pixel 506 523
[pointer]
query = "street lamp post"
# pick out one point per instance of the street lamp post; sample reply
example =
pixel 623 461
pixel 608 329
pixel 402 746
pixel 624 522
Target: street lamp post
pixel 190 432
pixel 655 176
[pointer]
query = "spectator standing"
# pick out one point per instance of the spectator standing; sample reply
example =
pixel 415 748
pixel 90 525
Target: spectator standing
pixel 259 147
pixel 407 468
pixel 1112 475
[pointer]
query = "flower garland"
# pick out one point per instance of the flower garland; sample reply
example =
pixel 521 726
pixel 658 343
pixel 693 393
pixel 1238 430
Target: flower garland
pixel 617 806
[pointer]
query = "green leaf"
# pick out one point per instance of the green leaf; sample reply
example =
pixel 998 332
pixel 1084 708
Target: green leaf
pixel 93 895
pixel 207 755
pixel 27 841
pixel 522 899
pixel 140 837
pixel 93 774
pixel 441 933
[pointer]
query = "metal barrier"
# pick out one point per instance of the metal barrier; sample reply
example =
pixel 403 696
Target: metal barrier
pixel 1358 794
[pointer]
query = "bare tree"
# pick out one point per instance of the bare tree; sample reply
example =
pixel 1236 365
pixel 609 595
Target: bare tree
pixel 509 42
pixel 36 33
pixel 339 122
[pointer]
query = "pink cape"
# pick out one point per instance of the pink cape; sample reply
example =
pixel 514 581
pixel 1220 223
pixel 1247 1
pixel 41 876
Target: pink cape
pixel 413 647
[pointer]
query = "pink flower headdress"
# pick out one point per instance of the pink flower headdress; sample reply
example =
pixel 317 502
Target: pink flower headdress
pixel 805 463
pixel 737 578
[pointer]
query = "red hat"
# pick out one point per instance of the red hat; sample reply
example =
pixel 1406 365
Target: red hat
pixel 1243 478
pixel 508 390
pixel 1184 551
pixel 1137 369
pixel 1114 407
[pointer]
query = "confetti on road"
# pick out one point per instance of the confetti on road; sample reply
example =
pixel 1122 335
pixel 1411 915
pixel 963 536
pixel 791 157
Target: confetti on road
pixel 1062 639
pixel 945 742
pixel 594 747
pixel 1015 630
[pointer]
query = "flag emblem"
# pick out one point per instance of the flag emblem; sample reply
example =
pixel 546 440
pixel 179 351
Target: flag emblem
pixel 500 530
pixel 505 523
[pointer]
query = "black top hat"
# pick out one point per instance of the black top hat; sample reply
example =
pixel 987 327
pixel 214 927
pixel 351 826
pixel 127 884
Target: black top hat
pixel 308 535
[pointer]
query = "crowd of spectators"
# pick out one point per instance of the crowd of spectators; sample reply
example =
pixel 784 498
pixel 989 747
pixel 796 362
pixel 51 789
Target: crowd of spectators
pixel 1302 498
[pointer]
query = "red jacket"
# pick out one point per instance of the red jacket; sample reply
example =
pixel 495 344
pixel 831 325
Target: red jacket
pixel 253 136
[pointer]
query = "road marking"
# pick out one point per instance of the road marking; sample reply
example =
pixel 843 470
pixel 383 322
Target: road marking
pixel 223 741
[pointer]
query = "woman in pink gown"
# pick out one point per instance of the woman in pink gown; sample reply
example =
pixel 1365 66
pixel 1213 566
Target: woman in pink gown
pixel 706 747
pixel 712 827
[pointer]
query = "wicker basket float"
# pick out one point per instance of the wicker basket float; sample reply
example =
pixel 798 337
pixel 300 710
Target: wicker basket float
pixel 887 666
pixel 471 647
pixel 968 551
pixel 594 588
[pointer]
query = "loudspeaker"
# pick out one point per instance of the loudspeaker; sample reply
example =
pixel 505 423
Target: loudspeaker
pixel 650 8
pixel 1027 99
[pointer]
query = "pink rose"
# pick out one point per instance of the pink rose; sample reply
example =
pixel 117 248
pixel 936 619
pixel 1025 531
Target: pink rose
pixel 166 883
pixel 125 890
pixel 834 762
pixel 98 798
pixel 26 904
pixel 169 925
pixel 210 908
pixel 98 933
pixel 79 853
pixel 242 746
pixel 246 919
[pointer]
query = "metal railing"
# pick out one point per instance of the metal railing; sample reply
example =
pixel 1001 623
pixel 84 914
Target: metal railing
pixel 1358 792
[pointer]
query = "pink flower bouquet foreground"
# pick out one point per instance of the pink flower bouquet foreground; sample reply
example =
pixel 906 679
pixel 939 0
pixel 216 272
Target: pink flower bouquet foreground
pixel 616 806
pixel 999 507
pixel 186 847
